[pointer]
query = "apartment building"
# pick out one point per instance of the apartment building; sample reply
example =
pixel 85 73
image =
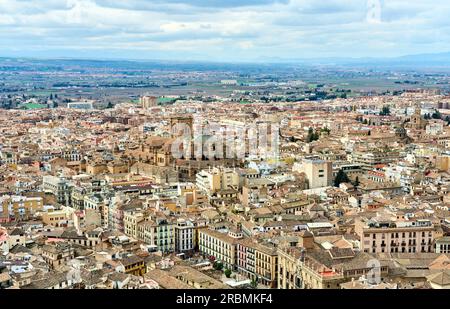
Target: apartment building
pixel 443 245
pixel 220 246
pixel 184 236
pixel 58 254
pixel 99 203
pixel 130 221
pixel 133 265
pixel 259 262
pixel 14 208
pixel 55 218
pixel 156 231
pixel 213 180
pixel 395 236
pixel 367 157
pixel 59 187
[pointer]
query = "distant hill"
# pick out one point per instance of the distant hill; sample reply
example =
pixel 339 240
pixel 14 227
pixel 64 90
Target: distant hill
pixel 434 60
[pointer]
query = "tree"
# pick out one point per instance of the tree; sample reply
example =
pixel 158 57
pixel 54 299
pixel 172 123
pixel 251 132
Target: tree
pixel 316 136
pixel 218 265
pixel 436 115
pixel 312 136
pixel 227 273
pixel 341 177
pixel 448 120
pixel 110 105
pixel 356 181
pixel 254 283
pixel 386 111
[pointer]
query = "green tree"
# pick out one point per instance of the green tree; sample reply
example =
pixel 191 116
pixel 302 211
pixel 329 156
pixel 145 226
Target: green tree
pixel 341 177
pixel 312 136
pixel 227 273
pixel 436 115
pixel 385 111
pixel 218 265
pixel 356 181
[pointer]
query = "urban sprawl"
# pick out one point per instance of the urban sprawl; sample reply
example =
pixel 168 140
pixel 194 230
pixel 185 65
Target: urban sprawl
pixel 171 192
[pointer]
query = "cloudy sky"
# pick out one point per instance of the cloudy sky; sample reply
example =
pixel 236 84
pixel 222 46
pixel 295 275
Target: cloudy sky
pixel 223 30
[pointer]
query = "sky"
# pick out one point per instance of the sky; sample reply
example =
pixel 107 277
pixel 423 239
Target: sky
pixel 223 30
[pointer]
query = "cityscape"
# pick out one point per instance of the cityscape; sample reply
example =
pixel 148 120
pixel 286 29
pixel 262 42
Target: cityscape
pixel 265 173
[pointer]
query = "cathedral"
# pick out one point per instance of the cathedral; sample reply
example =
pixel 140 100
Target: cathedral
pixel 416 120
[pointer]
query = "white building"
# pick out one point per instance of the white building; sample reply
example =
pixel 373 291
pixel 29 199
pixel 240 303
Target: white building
pixel 184 236
pixel 213 180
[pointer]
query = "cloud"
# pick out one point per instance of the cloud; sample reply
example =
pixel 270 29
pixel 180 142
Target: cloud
pixel 223 30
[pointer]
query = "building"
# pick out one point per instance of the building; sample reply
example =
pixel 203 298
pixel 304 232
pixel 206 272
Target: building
pixel 132 265
pixel 258 262
pixel 374 157
pixel 319 173
pixel 148 101
pixel 88 105
pixel 443 163
pixel 59 187
pixel 184 236
pixel 158 232
pixel 325 268
pixel 291 254
pixel 130 220
pixel 17 237
pixel 58 254
pixel 16 208
pixel 220 246
pixel 99 204
pixel 442 245
pixel 395 236
pixel 215 179
pixel 416 121
pixel 55 218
